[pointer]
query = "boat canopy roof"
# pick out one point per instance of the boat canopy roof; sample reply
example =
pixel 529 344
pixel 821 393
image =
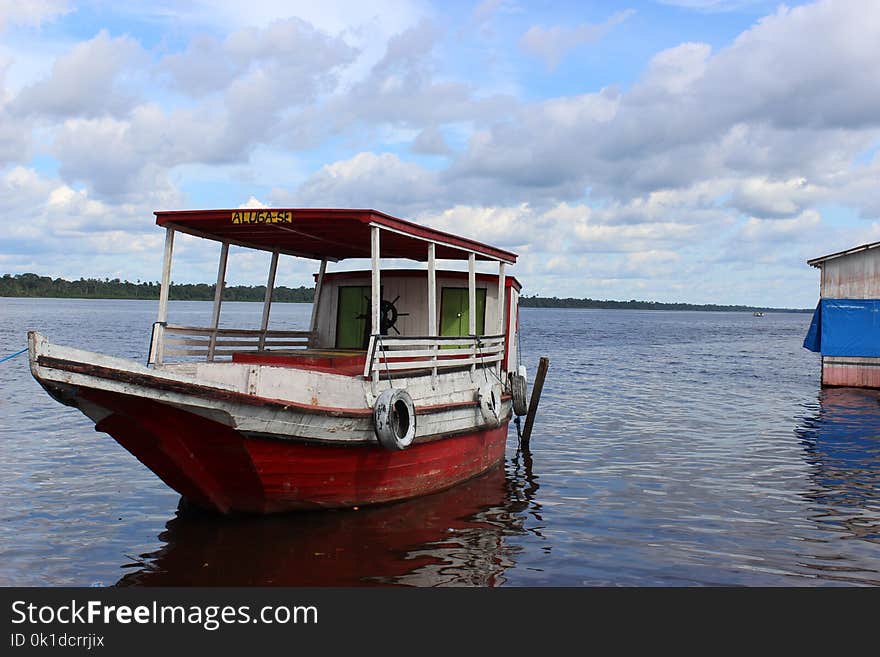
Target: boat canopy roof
pixel 325 234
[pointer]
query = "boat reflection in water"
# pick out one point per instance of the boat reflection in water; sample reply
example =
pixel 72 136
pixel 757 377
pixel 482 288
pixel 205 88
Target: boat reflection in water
pixel 842 444
pixel 455 537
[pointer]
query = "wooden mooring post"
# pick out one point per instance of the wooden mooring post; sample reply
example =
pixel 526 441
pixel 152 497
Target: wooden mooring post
pixel 543 366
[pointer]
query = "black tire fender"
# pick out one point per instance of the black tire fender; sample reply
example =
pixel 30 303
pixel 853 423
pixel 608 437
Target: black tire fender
pixel 490 402
pixel 394 419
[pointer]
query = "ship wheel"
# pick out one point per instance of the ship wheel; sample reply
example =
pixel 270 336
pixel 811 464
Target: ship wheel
pixel 388 315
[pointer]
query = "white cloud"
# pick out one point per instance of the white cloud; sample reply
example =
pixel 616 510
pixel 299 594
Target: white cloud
pixel 713 5
pixel 334 16
pixel 85 81
pixel 674 70
pixel 508 227
pixel 292 56
pixel 403 89
pixel 769 198
pixel 777 241
pixel 365 26
pixel 653 258
pixel 260 76
pixel 105 154
pixel 203 68
pixel 31 13
pixel 368 180
pixel 552 43
pixel 253 202
pixel 766 231
pixel 636 237
pixel 15 132
pixel 48 218
pixel 485 11
pixel 793 97
pixel 430 141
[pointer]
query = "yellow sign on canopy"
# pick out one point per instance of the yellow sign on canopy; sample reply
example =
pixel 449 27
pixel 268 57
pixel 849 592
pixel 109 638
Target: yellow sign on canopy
pixel 262 217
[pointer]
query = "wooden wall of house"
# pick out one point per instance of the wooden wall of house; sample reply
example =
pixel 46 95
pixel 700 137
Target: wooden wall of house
pixel 855 276
pixel 851 372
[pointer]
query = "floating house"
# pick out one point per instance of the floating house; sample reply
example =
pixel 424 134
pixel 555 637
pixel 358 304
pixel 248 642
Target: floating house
pixel 846 324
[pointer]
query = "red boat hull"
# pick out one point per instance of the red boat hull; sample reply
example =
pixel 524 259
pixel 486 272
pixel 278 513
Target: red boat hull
pixel 218 468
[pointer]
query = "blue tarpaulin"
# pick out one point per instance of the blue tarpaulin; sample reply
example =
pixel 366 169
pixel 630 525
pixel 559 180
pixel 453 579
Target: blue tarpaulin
pixel 813 341
pixel 845 327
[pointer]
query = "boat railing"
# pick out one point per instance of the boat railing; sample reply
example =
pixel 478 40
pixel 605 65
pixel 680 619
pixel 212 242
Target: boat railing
pixel 389 354
pixel 169 340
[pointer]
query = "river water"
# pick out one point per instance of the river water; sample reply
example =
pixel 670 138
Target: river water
pixel 671 448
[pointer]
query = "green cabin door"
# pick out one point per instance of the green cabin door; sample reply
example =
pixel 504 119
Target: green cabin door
pixel 454 311
pixel 352 317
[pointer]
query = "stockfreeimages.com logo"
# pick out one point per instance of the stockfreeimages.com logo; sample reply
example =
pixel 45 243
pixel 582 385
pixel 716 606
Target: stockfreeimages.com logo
pixel 209 617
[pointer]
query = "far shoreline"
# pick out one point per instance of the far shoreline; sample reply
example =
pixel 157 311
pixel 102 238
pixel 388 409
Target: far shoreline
pixel 525 302
pixel 115 291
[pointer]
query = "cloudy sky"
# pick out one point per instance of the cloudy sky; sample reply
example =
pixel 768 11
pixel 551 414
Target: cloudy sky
pixel 675 150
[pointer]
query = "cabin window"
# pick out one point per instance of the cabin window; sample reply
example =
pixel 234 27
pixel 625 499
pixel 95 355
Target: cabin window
pixel 454 311
pixel 353 317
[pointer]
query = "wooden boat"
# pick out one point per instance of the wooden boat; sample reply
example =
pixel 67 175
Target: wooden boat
pixel 404 383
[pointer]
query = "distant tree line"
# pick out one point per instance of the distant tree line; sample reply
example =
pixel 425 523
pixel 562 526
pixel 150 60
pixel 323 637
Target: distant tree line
pixel 555 302
pixel 32 285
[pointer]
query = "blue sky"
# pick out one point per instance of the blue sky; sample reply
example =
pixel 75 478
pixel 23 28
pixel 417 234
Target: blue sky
pixel 675 150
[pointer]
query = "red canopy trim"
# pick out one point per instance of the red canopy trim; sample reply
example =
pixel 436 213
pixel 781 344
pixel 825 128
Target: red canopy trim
pixel 332 234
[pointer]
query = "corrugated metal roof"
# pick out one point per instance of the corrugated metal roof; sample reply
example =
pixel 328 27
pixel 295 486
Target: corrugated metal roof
pixel 817 262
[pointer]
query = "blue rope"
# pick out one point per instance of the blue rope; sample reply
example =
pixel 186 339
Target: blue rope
pixel 11 356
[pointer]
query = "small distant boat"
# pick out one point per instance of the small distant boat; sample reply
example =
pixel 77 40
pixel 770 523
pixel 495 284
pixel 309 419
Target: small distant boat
pixel 403 385
pixel 758 314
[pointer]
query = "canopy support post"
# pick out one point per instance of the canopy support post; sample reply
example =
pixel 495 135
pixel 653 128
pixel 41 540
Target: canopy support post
pixel 316 302
pixel 432 305
pixel 472 303
pixel 164 292
pixel 376 323
pixel 218 298
pixel 501 306
pixel 267 302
